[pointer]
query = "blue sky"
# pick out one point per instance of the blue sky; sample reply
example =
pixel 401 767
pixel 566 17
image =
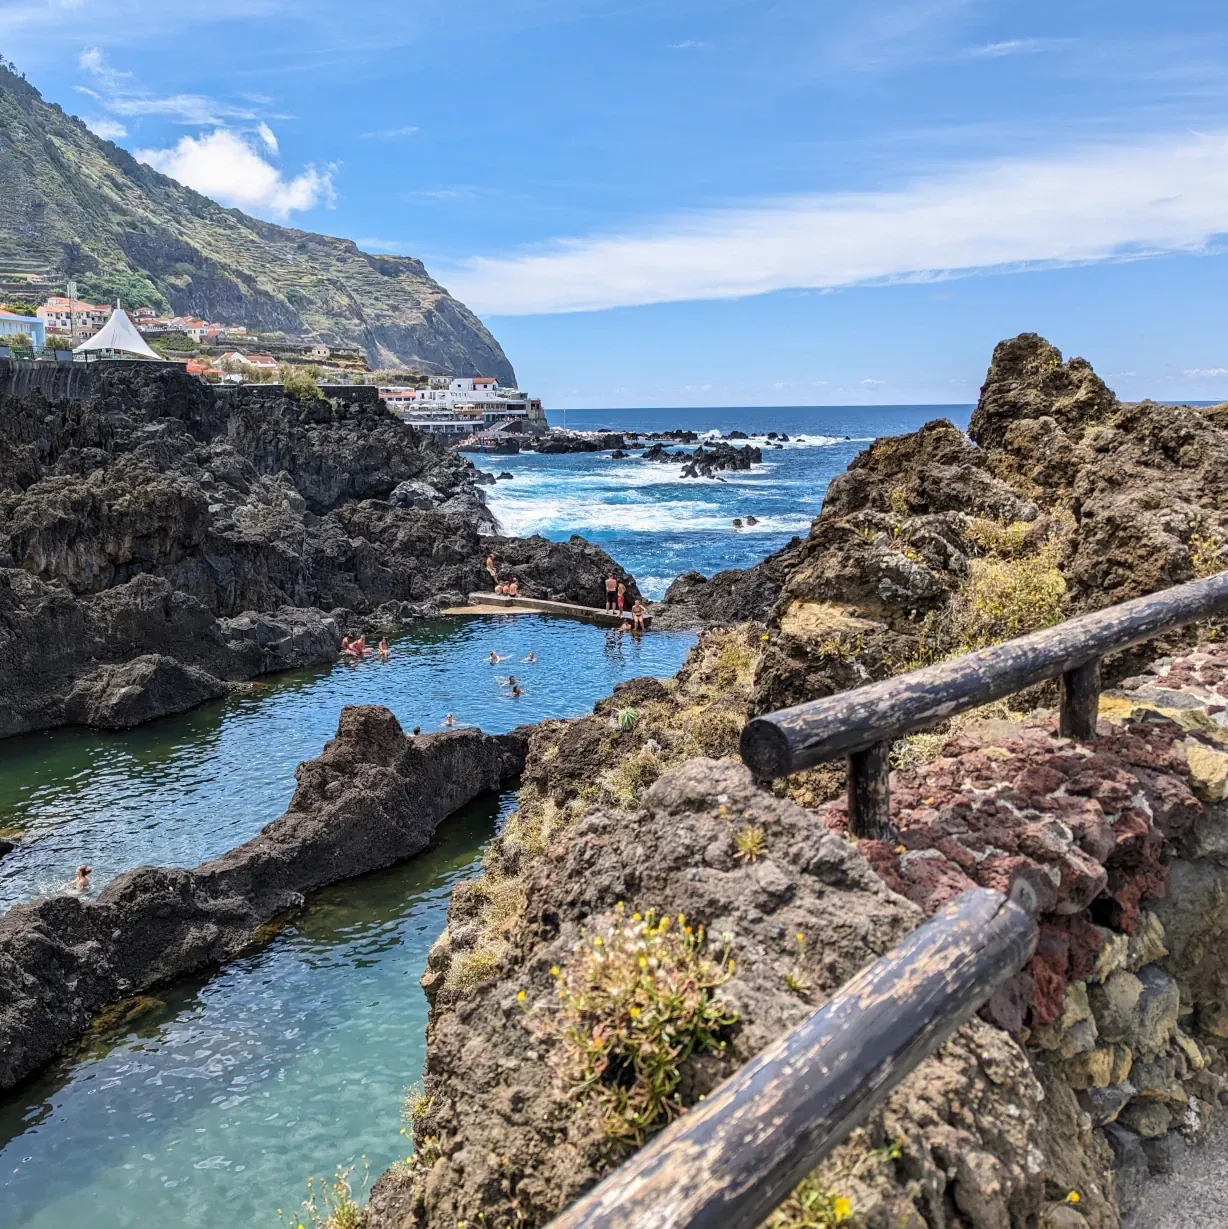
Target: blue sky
pixel 727 202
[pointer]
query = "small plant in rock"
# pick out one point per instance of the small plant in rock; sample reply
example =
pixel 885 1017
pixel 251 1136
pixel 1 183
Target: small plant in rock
pixel 897 500
pixel 1005 598
pixel 416 1106
pixel 749 844
pixel 627 719
pixel 811 1206
pixel 1208 555
pixel 636 1002
pixel 332 1203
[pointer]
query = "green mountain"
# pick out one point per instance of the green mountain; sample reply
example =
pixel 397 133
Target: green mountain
pixel 77 206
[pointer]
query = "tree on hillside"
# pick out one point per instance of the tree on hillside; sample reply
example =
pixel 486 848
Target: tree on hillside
pixel 133 289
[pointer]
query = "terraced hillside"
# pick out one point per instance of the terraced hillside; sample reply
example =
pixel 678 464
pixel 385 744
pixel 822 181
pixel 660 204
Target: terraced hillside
pixel 75 205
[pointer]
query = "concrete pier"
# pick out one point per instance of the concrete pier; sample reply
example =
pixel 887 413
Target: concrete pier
pixel 498 603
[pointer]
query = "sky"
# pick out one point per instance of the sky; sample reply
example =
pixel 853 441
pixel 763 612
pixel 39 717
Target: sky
pixel 714 202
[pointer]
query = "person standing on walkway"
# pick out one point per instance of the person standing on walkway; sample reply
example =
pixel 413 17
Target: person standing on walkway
pixel 611 592
pixel 622 596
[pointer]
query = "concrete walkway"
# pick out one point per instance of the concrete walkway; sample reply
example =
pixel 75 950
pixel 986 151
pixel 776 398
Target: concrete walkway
pixel 1194 1195
pixel 489 603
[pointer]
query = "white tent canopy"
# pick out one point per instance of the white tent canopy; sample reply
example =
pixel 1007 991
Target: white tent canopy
pixel 118 334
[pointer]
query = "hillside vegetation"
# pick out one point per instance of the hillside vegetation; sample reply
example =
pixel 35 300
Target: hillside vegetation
pixel 79 206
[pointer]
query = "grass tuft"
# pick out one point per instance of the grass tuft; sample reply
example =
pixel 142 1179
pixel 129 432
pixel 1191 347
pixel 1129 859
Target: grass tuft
pixel 749 844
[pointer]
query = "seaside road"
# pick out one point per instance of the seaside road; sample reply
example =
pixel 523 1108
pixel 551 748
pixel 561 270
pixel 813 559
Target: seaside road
pixel 1194 1194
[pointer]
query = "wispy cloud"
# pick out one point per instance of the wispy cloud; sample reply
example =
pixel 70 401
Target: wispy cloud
pixel 390 134
pixel 689 44
pixel 116 92
pixel 1103 203
pixel 107 129
pixel 221 164
pixel 1015 46
pixel 1205 373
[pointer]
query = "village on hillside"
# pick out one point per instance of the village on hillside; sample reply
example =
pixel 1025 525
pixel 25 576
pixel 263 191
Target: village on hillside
pixel 68 329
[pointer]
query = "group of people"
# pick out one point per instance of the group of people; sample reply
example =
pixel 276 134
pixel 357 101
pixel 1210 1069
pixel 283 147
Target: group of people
pixel 356 648
pixel 616 600
pixel 510 587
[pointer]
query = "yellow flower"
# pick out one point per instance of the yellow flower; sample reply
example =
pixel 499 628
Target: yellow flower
pixel 596 940
pixel 643 962
pixel 764 636
pixel 801 938
pixel 635 917
pixel 842 1207
pixel 520 996
pixel 1073 1197
pixel 554 970
pixel 635 1013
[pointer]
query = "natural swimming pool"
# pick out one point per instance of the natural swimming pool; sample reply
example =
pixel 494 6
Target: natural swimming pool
pixel 214 1105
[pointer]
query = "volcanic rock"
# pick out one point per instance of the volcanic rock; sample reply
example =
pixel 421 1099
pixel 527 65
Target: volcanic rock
pixel 372 798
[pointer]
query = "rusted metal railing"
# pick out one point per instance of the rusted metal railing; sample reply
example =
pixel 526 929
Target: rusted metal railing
pixel 738 1153
pixel 862 724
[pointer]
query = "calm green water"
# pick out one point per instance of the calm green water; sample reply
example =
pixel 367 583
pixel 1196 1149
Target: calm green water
pixel 212 1109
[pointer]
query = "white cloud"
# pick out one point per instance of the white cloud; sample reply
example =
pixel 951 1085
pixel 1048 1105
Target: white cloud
pixel 1205 373
pixel 266 135
pixel 1103 203
pixel 222 165
pixel 689 44
pixel 390 134
pixel 868 382
pixel 1014 46
pixel 108 129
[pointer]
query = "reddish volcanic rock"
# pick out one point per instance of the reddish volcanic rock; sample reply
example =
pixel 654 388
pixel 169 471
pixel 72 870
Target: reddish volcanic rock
pixel 1086 826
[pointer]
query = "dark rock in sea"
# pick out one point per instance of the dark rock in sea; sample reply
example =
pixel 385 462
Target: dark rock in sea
pixel 737 435
pixel 561 441
pixel 506 477
pixel 771 435
pixel 734 596
pixel 783 437
pixel 145 515
pixel 6 847
pixel 371 799
pixel 705 462
pixel 617 454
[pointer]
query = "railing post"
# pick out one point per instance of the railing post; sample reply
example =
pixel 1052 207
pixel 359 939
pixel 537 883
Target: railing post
pixel 870 793
pixel 1080 701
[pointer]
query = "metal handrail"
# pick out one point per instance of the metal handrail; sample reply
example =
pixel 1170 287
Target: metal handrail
pixel 737 1154
pixel 861 724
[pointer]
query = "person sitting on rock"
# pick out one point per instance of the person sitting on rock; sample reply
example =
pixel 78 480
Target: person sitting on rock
pixel 384 650
pixel 512 588
pixel 611 592
pixel 352 647
pixel 637 615
pixel 359 646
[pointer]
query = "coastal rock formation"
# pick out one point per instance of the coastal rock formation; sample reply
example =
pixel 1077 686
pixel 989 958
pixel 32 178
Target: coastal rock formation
pixel 256 511
pixel 373 797
pixel 1060 499
pixel 1105 1050
pixel 709 460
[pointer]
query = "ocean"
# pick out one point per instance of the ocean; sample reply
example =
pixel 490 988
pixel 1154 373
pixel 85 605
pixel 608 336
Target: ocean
pixel 658 524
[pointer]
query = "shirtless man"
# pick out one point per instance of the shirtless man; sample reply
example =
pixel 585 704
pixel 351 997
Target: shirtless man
pixel 490 567
pixel 359 647
pixel 512 588
pixel 532 657
pixel 611 592
pixel 449 721
pixel 494 658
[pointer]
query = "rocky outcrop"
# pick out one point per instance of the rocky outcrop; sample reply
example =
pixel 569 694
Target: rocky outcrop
pixel 257 511
pixel 372 798
pixel 563 441
pixel 708 460
pixel 733 596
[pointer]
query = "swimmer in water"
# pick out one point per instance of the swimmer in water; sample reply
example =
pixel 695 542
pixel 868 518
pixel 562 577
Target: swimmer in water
pixel 449 721
pixel 81 881
pixel 532 657
pixel 516 691
pixel 494 658
pixel 384 650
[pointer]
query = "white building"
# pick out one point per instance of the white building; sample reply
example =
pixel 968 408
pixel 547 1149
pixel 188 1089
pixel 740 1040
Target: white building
pixel 57 316
pixel 475 395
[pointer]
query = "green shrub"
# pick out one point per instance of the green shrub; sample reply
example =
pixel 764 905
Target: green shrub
pixel 1005 598
pixel 299 382
pixel 636 1002
pixel 627 717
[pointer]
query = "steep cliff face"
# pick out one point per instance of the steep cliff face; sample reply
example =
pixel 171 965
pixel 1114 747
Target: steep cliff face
pixel 77 205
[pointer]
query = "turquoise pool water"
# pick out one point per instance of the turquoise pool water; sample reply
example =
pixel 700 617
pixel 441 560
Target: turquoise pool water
pixel 212 1107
